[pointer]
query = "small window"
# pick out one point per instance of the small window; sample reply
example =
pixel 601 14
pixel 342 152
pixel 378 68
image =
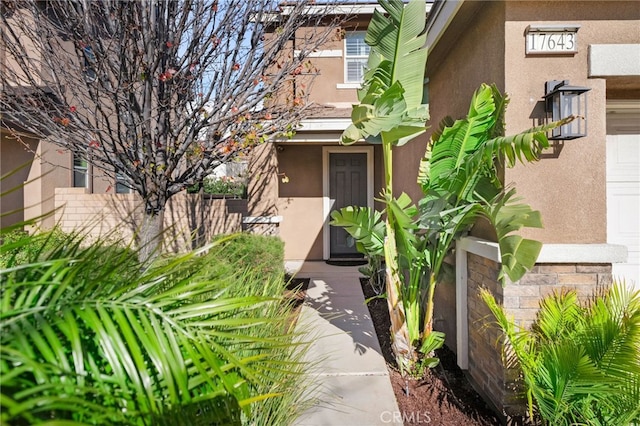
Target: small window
pixel 121 184
pixel 89 64
pixel 80 168
pixel 356 56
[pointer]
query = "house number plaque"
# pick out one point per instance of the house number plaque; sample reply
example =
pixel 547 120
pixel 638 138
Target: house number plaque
pixel 561 39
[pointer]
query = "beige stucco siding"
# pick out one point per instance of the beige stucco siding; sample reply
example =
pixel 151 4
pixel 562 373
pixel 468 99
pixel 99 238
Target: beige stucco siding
pixel 300 200
pixel 15 158
pixel 568 187
pixel 455 69
pixel 485 42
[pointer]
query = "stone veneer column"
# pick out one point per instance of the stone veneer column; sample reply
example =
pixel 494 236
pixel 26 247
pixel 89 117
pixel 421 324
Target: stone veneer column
pixel 583 267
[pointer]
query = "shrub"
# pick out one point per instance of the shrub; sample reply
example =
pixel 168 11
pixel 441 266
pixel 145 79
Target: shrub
pixel 20 247
pixel 264 255
pixel 225 185
pixel 90 336
pixel 580 363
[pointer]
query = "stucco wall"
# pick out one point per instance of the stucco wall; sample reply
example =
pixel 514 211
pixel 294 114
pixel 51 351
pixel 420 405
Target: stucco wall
pixel 455 68
pixel 15 158
pixel 486 43
pixel 331 69
pixel 300 201
pixel 262 185
pixel 568 187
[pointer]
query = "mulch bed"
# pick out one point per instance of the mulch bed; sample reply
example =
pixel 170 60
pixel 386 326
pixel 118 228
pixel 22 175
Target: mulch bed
pixel 294 293
pixel 442 396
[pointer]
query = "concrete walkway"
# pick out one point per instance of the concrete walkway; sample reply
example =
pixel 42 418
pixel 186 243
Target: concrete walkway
pixel 353 387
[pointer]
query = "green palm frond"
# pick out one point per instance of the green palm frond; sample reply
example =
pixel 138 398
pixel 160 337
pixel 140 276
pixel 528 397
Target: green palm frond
pixel 508 215
pixel 525 146
pixel 391 95
pixel 90 335
pixel 580 362
pixel 405 228
pixel 399 37
pixel 615 341
pixel 449 152
pixel 365 225
pixel 557 317
pixel 461 153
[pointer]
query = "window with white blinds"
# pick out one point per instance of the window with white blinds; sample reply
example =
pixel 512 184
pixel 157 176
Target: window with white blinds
pixel 355 58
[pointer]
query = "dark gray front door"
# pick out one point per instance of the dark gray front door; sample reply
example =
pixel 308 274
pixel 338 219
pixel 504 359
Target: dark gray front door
pixel 347 187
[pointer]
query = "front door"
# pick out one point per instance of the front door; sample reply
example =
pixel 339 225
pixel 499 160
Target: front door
pixel 347 187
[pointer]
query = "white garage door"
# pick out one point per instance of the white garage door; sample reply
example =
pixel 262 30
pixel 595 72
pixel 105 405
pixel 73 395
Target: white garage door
pixel 623 184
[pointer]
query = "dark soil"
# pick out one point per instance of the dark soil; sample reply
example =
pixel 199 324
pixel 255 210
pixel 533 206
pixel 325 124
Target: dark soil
pixel 295 290
pixel 442 396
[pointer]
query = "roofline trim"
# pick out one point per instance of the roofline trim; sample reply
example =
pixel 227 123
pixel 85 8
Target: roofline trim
pixel 439 19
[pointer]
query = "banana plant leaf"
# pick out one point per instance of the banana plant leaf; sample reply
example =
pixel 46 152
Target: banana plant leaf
pixel 365 225
pixel 390 105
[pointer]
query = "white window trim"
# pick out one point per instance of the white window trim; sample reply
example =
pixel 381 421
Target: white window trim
pixel 348 85
pixel 325 53
pixel 326 201
pixel 344 60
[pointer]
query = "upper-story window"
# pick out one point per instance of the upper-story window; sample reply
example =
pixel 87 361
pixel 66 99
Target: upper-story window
pixel 121 184
pixel 89 64
pixel 355 57
pixel 80 172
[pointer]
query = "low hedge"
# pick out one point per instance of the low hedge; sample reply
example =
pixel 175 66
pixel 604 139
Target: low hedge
pixel 263 255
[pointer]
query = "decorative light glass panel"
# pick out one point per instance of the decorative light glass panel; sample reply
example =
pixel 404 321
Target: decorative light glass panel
pixel 562 101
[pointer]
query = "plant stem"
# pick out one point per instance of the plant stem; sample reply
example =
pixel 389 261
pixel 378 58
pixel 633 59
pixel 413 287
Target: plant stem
pixel 400 342
pixel 428 316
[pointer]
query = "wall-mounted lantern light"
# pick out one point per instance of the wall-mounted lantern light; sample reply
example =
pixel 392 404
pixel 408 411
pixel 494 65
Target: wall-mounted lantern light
pixel 562 101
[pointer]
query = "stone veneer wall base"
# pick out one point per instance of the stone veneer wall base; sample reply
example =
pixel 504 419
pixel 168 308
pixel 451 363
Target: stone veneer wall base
pixel 583 267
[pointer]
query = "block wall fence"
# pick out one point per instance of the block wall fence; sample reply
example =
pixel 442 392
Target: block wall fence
pixel 190 220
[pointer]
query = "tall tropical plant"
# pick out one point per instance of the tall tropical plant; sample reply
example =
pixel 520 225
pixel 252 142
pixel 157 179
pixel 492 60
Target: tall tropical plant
pixel 459 179
pixel 457 176
pixel 391 113
pixel 91 336
pixel 580 363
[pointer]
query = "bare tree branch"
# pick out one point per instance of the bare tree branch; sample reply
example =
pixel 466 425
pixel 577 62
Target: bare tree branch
pixel 159 92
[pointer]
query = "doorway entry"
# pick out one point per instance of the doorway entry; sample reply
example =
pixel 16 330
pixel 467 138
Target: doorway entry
pixel 348 181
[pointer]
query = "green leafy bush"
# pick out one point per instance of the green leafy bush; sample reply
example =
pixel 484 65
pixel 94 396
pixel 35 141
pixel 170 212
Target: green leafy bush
pixel 20 247
pixel 264 255
pixel 225 185
pixel 580 363
pixel 91 336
